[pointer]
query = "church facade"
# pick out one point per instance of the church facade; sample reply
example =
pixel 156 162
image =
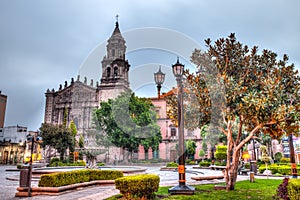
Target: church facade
pixel 78 99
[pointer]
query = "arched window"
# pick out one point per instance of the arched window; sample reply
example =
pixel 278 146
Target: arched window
pixel 113 52
pixel 115 71
pixel 108 72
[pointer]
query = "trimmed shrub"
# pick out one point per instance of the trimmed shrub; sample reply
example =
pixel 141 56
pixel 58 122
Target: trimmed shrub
pixel 138 186
pixel 190 162
pixel 78 176
pixel 204 164
pixel 218 163
pixel 100 164
pixel 282 192
pixel 60 164
pixel 281 169
pixel 221 152
pixel 285 160
pixel 293 189
pixel 247 165
pixel 278 156
pixel 172 164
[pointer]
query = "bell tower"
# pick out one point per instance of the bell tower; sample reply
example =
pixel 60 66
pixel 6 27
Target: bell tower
pixel 115 68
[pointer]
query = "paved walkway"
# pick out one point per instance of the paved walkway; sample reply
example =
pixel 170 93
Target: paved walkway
pixel 167 178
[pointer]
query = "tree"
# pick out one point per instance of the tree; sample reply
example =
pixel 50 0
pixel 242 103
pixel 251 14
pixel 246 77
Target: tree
pixel 242 90
pixel 81 141
pixel 221 153
pixel 56 136
pixel 264 156
pixel 278 156
pixel 190 146
pixel 128 121
pixel 73 130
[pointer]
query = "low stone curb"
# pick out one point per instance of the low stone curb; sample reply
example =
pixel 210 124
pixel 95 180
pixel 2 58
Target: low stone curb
pixel 202 178
pixel 168 168
pixel 23 191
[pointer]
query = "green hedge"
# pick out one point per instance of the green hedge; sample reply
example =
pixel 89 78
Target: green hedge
pixel 78 176
pixel 59 163
pixel 204 164
pixel 281 169
pixel 172 164
pixel 294 189
pixel 138 186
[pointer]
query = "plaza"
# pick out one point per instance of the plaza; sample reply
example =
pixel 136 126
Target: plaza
pixel 167 178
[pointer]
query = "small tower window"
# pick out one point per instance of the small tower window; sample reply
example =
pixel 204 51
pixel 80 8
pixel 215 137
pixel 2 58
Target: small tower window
pixel 108 72
pixel 115 71
pixel 113 52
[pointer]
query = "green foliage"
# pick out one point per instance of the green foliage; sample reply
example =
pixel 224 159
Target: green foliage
pixel 128 121
pixel 59 163
pixel 242 89
pixel 81 141
pixel 218 163
pixel 275 168
pixel 65 117
pixel 190 146
pixel 73 128
pixel 78 176
pixel 247 165
pixel 56 136
pixel 285 160
pixel 278 156
pixel 221 152
pixel 201 153
pixel 264 154
pixel 190 162
pixel 204 164
pixel 138 186
pixel 294 189
pixel 260 189
pixel 100 164
pixel 172 164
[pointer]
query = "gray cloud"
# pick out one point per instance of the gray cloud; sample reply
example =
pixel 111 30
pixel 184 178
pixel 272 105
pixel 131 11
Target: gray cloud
pixel 44 43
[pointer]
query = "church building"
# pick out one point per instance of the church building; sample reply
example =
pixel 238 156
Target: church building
pixel 77 100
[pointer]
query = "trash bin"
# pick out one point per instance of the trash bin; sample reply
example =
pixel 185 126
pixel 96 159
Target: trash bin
pixel 251 177
pixel 24 178
pixel 253 167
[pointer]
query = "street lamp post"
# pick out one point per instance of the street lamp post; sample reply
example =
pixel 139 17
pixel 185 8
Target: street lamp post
pixel 182 188
pixel 159 78
pixel 32 139
pixel 292 157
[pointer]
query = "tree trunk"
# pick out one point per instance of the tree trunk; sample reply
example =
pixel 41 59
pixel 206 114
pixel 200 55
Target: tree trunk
pixel 126 157
pixel 233 170
pixel 146 154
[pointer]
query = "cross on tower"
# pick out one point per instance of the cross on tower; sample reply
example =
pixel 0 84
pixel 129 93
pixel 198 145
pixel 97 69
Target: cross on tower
pixel 117 17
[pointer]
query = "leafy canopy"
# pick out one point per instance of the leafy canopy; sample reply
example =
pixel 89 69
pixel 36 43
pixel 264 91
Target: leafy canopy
pixel 128 121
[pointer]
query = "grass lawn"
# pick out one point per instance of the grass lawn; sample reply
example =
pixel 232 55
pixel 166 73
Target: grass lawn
pixel 260 189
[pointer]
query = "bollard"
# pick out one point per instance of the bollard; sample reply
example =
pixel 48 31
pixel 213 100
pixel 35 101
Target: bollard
pixel 251 177
pixel 23 178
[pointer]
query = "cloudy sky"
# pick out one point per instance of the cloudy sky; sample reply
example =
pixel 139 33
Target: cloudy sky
pixel 44 43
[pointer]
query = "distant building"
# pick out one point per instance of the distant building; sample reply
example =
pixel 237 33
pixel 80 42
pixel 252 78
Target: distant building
pixel 12 144
pixel 3 100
